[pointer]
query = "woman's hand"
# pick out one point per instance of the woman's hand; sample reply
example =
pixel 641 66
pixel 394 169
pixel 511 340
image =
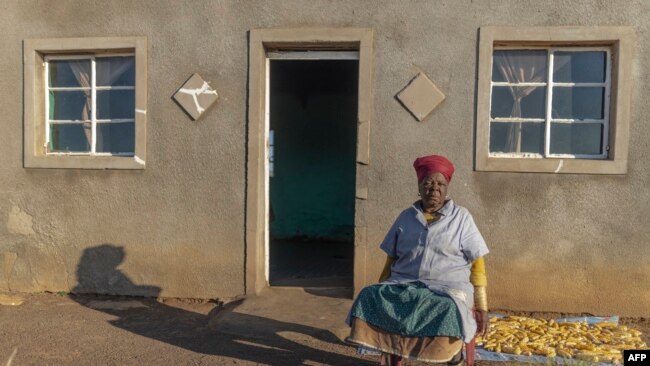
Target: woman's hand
pixel 482 322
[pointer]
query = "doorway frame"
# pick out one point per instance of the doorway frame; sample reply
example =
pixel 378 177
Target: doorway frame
pixel 301 39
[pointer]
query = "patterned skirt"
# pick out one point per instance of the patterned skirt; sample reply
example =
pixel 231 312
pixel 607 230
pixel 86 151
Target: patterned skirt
pixel 407 320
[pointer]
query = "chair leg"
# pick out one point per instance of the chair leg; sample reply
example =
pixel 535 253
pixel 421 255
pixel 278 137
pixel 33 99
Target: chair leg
pixel 470 352
pixel 395 360
pixel 388 359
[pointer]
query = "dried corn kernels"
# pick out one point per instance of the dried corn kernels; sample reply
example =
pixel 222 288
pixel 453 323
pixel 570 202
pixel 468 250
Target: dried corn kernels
pixel 603 342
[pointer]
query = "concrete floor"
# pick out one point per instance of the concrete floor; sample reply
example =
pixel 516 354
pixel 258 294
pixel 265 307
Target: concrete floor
pixel 311 263
pixel 281 326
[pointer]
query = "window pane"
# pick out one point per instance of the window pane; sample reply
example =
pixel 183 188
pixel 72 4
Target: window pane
pixel 579 67
pixel 531 105
pixel 578 102
pixel 69 73
pixel 576 138
pixel 113 104
pixel 115 137
pixel 506 136
pixel 69 105
pixel 518 66
pixel 70 137
pixel 115 71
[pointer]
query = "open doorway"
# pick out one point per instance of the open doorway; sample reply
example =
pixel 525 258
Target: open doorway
pixel 312 105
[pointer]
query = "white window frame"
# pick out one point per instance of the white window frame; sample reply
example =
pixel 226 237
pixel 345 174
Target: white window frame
pixel 35 147
pixel 93 88
pixel 547 120
pixel 621 40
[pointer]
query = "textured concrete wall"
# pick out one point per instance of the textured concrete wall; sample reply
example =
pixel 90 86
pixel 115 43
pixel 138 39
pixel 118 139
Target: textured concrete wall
pixel 559 242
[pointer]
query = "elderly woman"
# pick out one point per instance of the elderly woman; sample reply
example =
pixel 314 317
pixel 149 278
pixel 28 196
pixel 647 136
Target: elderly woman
pixel 433 281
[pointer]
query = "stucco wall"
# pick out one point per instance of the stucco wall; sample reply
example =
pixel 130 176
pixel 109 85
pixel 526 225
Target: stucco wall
pixel 565 242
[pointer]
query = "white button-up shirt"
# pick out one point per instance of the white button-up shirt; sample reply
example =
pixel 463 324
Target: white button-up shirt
pixel 439 254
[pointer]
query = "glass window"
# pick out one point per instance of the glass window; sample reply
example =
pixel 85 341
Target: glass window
pixel 91 104
pixel 579 67
pixel 549 102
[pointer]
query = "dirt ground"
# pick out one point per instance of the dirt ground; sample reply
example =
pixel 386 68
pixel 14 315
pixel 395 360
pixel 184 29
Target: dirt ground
pixel 280 328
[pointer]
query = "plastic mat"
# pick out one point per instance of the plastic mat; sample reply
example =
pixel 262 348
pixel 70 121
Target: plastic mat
pixel 485 355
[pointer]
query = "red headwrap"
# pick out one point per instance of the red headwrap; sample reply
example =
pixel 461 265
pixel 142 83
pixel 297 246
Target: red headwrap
pixel 428 165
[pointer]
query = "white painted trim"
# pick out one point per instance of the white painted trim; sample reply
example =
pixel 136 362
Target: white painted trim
pixel 312 55
pixel 119 120
pixel 549 103
pixel 63 121
pixel 115 87
pixel 608 96
pixel 561 49
pixel 62 153
pixel 68 88
pixel 77 88
pixel 516 155
pixel 46 76
pixel 548 120
pixel 599 121
pixel 93 101
pixel 68 122
pixel 516 119
pixel 93 90
pixel 505 83
pixel 580 85
pixel 562 84
pixel 578 156
pixel 84 56
pixel 526 155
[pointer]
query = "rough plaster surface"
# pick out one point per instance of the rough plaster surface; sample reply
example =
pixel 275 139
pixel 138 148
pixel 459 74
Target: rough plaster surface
pixel 8 261
pixel 575 243
pixel 19 222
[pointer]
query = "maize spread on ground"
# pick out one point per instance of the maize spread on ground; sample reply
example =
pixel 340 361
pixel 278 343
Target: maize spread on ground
pixel 602 342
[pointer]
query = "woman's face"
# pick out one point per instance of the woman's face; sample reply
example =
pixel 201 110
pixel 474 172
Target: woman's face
pixel 433 191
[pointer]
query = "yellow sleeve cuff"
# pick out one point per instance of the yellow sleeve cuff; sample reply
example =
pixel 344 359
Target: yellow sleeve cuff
pixel 480 298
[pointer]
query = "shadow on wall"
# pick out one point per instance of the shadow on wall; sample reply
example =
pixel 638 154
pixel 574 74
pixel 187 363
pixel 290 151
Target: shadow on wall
pixel 97 273
pixel 214 330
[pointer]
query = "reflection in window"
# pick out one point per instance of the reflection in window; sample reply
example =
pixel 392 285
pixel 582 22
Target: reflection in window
pixel 550 102
pixel 91 104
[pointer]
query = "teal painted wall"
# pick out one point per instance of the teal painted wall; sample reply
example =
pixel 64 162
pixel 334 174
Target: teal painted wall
pixel 313 110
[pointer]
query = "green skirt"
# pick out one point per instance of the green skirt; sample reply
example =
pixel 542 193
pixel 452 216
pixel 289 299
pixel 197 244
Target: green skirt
pixel 409 309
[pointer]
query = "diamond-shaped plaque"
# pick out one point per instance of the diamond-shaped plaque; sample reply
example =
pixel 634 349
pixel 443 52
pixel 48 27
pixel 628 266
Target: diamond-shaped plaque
pixel 195 96
pixel 421 96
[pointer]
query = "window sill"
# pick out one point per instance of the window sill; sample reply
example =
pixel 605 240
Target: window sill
pixel 557 166
pixel 84 162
